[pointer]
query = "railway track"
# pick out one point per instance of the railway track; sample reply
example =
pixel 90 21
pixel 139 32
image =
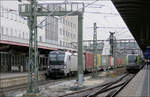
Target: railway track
pixel 109 89
pixel 5 90
pixel 22 87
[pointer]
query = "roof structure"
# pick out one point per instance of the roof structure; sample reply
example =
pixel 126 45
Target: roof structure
pixel 136 14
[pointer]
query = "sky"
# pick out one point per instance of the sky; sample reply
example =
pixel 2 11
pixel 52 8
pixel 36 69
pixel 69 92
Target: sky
pixel 105 15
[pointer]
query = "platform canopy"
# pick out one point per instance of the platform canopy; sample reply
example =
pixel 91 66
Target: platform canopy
pixel 136 14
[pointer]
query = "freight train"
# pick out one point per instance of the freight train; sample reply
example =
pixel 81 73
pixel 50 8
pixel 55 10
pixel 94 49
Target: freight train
pixel 134 63
pixel 63 63
pixel 147 55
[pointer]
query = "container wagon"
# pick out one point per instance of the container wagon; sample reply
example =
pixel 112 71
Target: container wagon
pixel 99 64
pixel 88 61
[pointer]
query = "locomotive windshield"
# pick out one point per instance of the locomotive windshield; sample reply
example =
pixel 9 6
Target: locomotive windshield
pixel 56 58
pixel 60 57
pixel 53 57
pixel 132 59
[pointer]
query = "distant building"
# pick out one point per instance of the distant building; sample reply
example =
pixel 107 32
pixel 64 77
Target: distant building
pixel 14 28
pixel 62 30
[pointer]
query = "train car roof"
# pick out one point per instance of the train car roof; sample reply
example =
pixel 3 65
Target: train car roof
pixel 56 52
pixel 133 54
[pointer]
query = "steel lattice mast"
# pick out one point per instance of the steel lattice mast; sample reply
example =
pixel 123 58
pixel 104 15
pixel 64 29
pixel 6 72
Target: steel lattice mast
pixel 33 50
pixel 32 11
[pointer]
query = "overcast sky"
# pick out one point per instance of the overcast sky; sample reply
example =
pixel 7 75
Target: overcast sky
pixel 105 15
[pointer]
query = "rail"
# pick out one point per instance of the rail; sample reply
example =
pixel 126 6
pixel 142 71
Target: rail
pixel 95 91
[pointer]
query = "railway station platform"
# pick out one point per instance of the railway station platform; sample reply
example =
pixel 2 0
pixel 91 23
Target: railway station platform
pixel 139 86
pixel 12 79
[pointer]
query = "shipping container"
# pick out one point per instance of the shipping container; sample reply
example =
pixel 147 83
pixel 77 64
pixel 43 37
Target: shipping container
pixel 112 62
pixel 119 61
pixel 116 61
pixel 109 61
pixel 99 64
pixel 88 61
pixel 123 60
pixel 104 61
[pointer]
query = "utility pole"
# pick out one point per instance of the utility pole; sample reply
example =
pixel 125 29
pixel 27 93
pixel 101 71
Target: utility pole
pixel 95 74
pixel 32 11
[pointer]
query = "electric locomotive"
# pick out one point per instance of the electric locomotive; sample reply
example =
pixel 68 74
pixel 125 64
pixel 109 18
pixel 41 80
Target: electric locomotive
pixel 62 63
pixel 133 63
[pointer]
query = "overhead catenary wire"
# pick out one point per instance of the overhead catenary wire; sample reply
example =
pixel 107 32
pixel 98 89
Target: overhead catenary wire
pixel 69 13
pixel 101 13
pixel 110 27
pixel 57 0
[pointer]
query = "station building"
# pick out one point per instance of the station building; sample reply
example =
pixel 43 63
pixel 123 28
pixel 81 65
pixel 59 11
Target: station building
pixel 14 36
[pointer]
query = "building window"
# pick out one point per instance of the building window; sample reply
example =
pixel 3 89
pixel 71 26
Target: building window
pixel 60 43
pixel 70 24
pixel 11 16
pixel 6 31
pixel 2 12
pixel 64 32
pixel 74 25
pixel 66 22
pixel 19 19
pixel 2 30
pixel 63 21
pixel 15 33
pixel 40 38
pixel 27 35
pixel 19 35
pixel 16 18
pixel 11 32
pixel 60 31
pixel 7 16
pixel 23 35
pixel 63 44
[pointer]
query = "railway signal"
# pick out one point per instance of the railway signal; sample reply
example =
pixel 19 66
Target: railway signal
pixel 32 11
